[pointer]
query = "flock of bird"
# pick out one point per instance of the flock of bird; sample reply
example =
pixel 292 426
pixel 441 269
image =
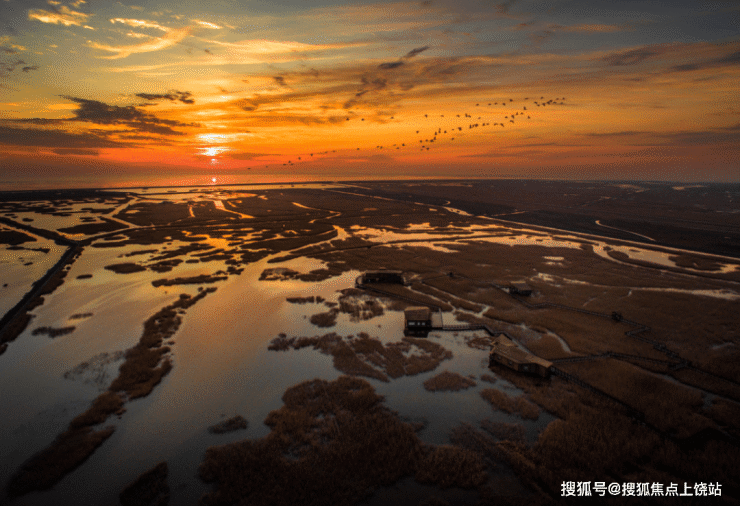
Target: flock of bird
pixel 517 114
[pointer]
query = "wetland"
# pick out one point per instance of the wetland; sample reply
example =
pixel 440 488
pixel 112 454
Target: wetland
pixel 211 345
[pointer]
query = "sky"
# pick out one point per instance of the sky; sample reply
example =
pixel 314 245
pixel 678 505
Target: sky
pixel 101 93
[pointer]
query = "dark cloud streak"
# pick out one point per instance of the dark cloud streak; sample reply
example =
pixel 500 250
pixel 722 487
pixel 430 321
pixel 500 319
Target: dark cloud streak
pixel 180 96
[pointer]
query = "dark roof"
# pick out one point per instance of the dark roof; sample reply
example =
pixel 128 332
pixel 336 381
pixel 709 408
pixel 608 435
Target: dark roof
pixel 381 271
pixel 417 313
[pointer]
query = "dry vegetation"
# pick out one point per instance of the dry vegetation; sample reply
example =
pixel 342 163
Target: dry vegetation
pixel 366 356
pixel 232 424
pixel 326 319
pixel 149 489
pixel 43 470
pixel 695 262
pixel 518 405
pixel 359 305
pixel 313 299
pixel 125 268
pixel 448 382
pixel 671 407
pixel 14 237
pixel 52 332
pixel 193 280
pixel 331 443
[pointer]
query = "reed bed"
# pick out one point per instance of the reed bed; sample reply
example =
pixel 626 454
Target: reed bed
pixel 366 356
pixel 468 437
pixel 548 347
pixel 149 489
pixel 671 407
pixel 448 466
pixel 232 424
pixel 518 405
pixel 193 280
pixel 448 382
pixel 325 319
pixel 44 469
pixel 313 299
pixel 125 268
pixel 359 306
pixel 331 443
pixel 504 431
pixel 488 378
pixel 695 262
pixel 53 332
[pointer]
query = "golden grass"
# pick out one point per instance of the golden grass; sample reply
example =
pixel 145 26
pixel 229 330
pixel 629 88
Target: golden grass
pixel 448 466
pixel 548 347
pixel 518 405
pixel 331 443
pixel 234 423
pixel 671 407
pixel 326 319
pixel 448 382
pixel 149 489
pixel 359 306
pixel 367 356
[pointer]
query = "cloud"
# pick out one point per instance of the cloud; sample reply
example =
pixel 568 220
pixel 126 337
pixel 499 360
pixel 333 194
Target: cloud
pixel 728 60
pixel 100 113
pixel 206 24
pixel 391 65
pixel 62 15
pixel 503 8
pixel 29 68
pixel 181 96
pixel 247 156
pixel 416 51
pixel 140 23
pixel 631 57
pixel 171 38
pixel 14 136
pixel 76 151
pixel 625 133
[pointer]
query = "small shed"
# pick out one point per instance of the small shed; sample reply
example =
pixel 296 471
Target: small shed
pixel 520 289
pixel 384 276
pixel 418 321
pixel 519 360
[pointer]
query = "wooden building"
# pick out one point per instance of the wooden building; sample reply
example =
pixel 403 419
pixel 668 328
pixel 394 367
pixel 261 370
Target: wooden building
pixel 520 289
pixel 506 353
pixel 383 276
pixel 418 321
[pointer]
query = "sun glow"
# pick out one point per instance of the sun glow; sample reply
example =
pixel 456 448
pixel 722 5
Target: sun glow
pixel 213 151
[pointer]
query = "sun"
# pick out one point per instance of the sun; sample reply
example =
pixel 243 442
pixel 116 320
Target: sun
pixel 213 180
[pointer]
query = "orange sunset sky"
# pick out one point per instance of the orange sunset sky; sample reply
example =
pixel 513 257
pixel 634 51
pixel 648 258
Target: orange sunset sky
pixel 97 93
